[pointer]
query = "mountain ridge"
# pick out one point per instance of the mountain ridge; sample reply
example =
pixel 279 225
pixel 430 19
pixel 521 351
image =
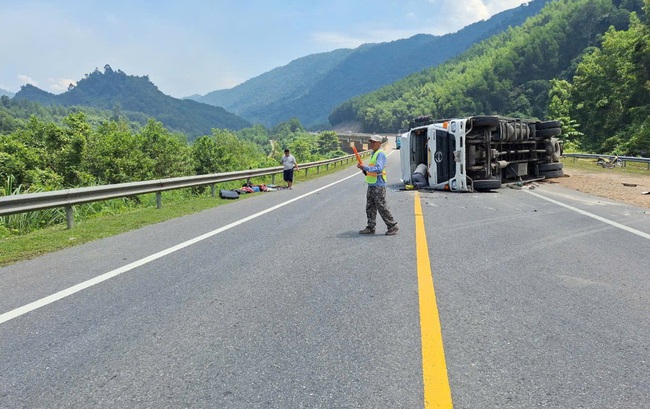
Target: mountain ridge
pixel 4 92
pixel 115 90
pixel 346 74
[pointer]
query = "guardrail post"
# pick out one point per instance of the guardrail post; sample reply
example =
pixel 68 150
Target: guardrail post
pixel 273 179
pixel 213 190
pixel 69 217
pixel 158 200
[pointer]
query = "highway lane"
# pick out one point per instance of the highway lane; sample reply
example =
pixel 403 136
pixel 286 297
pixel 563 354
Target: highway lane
pixel 286 310
pixel 540 306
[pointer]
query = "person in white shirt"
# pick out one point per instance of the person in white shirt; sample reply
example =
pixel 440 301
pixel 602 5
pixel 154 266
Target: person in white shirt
pixel 290 164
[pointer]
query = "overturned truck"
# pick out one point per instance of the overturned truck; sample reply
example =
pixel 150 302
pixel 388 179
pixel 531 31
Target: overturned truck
pixel 479 153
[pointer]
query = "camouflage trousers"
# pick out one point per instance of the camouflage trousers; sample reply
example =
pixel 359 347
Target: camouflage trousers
pixel 376 203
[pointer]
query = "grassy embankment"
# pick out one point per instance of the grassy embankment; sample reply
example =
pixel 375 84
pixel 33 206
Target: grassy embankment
pixel 590 165
pixel 175 204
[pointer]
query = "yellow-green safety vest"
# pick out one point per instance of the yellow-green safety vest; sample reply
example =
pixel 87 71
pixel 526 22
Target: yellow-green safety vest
pixel 371 177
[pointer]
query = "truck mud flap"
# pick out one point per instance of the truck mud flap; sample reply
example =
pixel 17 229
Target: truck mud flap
pixel 485 185
pixel 552 174
pixel 547 167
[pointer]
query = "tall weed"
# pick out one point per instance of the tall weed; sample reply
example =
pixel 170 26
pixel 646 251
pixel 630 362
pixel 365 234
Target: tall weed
pixel 22 223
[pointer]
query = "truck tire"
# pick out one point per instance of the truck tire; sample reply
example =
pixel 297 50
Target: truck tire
pixel 548 125
pixel 511 134
pixel 547 133
pixel 483 121
pixel 486 185
pixel 522 131
pixel 546 167
pixel 552 174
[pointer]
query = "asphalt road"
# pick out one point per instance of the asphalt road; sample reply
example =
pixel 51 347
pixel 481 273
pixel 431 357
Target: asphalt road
pixel 276 302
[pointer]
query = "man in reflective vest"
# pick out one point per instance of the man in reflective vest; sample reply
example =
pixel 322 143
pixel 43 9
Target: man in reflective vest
pixel 376 196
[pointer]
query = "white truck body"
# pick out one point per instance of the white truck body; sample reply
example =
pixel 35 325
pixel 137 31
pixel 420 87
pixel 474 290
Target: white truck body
pixel 480 152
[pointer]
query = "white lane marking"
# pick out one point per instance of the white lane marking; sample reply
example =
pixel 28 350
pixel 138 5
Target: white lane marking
pixel 593 216
pixel 106 276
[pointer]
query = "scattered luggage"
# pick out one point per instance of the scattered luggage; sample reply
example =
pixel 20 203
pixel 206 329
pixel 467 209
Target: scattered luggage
pixel 228 194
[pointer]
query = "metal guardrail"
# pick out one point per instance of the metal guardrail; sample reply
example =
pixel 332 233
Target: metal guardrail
pixel 67 198
pixel 623 159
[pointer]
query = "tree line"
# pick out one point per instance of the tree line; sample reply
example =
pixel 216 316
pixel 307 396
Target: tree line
pixel 75 151
pixel 45 155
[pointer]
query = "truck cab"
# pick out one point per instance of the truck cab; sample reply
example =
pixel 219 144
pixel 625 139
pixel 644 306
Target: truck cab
pixel 480 152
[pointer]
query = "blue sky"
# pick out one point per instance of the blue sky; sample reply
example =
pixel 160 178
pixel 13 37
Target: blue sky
pixel 193 47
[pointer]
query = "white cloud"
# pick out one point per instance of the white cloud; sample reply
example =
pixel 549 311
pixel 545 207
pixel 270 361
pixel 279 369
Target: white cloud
pixel 27 80
pixel 497 6
pixel 458 14
pixel 60 85
pixel 338 40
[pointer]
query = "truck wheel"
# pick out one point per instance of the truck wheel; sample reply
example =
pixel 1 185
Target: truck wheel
pixel 547 133
pixel 485 185
pixel 546 167
pixel 552 174
pixel 548 125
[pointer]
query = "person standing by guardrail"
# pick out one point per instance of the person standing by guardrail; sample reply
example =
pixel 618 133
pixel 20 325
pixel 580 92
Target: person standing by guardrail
pixel 289 163
pixel 375 173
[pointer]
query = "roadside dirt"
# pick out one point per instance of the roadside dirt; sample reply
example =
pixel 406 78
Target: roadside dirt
pixel 621 187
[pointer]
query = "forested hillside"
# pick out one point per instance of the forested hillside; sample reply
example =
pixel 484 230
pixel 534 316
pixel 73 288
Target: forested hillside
pixel 565 62
pixel 114 90
pixel 310 87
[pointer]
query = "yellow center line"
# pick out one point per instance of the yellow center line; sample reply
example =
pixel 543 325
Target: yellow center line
pixel 437 393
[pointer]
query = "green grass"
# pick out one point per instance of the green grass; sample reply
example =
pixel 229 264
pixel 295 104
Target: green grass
pixel 635 168
pixel 174 204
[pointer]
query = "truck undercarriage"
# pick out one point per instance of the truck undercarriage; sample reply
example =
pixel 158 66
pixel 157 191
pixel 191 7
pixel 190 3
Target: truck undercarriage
pixel 482 152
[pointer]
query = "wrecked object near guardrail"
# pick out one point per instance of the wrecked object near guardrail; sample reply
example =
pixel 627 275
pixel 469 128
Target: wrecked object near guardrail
pixel 481 153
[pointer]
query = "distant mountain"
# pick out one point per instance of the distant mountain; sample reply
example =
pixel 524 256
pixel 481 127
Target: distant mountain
pixel 509 74
pixel 276 86
pixel 310 87
pixel 114 90
pixel 7 93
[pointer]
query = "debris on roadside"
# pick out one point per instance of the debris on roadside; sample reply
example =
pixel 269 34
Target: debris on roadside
pixel 527 184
